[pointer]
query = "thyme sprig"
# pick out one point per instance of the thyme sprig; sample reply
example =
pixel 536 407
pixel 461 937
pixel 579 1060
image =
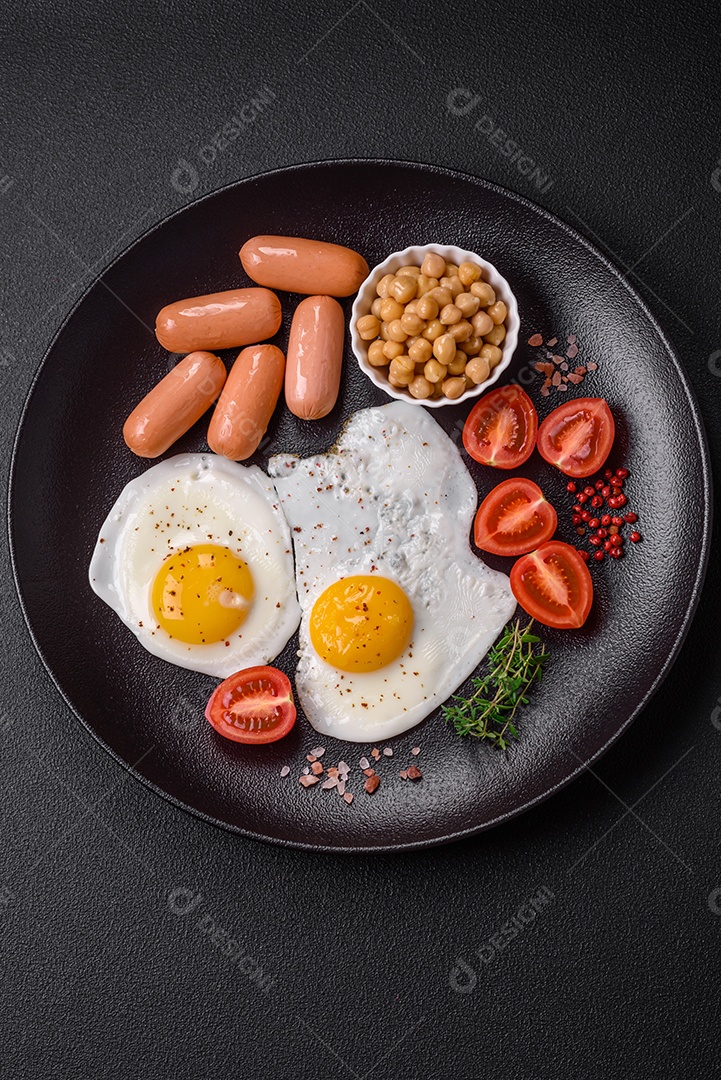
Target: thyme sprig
pixel 490 712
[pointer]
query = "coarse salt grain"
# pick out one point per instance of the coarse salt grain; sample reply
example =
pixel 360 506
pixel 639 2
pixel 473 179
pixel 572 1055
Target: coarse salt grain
pixel 308 781
pixel 364 763
pixel 348 797
pixel 318 752
pixel 316 768
pixel 331 782
pixel 305 771
pixel 387 751
pixel 416 751
pixel 285 770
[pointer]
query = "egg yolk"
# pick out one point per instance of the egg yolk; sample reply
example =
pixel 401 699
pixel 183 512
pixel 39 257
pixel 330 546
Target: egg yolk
pixel 361 623
pixel 202 594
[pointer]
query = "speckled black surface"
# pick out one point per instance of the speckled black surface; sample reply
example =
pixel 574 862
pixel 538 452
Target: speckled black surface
pixel 127 925
pixel 133 701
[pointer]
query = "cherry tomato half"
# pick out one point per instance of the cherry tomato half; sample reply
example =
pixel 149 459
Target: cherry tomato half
pixel 554 586
pixel 501 428
pixel 253 706
pixel 514 518
pixel 578 436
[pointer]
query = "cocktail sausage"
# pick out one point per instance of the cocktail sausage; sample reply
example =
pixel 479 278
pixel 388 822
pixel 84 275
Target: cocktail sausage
pixel 247 402
pixel 174 404
pixel 303 266
pixel 315 357
pixel 223 320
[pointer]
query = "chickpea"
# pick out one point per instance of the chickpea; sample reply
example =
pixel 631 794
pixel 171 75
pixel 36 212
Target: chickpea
pixel 484 292
pixel 434 329
pixel 402 289
pixel 382 286
pixel 441 296
pixel 496 336
pixel 498 312
pixel 468 272
pixel 409 271
pixel 469 381
pixel 454 387
pixel 376 355
pixel 412 308
pixel 394 382
pixel 437 391
pixel 368 327
pixel 426 307
pixel 392 349
pixel 472 346
pixel 396 331
pixel 492 354
pixel 433 265
pixel 461 331
pixel 451 270
pixel 412 324
pixel 453 284
pixel 400 374
pixel 468 304
pixel 450 314
pixel 391 309
pixel 376 308
pixel 404 363
pixel 420 388
pixel 478 369
pixel 444 348
pixel 421 350
pixel 482 323
pixel 425 284
pixel 384 331
pixel 434 371
pixel 458 364
pixel 412 341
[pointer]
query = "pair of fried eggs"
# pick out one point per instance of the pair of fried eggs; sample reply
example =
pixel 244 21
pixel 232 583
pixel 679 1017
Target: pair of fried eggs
pixel 395 611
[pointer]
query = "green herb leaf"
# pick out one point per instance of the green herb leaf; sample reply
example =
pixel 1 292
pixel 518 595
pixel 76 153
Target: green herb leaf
pixel 490 711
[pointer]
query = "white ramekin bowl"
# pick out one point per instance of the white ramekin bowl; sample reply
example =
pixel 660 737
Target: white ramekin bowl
pixel 413 256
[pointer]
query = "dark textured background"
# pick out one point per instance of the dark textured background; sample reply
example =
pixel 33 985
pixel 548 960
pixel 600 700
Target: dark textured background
pixel 127 926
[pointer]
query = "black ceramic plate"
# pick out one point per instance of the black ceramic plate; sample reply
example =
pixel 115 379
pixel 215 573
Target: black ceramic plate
pixel 70 464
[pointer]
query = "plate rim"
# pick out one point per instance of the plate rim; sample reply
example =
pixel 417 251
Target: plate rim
pixel 691 608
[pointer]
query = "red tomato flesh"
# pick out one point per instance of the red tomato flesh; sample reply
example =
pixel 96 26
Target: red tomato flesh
pixel 554 586
pixel 501 428
pixel 514 518
pixel 578 436
pixel 253 706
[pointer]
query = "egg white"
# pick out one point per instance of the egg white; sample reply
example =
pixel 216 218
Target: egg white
pixel 199 499
pixel 392 498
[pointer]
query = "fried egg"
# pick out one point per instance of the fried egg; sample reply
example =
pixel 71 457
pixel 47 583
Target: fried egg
pixel 195 557
pixel 397 610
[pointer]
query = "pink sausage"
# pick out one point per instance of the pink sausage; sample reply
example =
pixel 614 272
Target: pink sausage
pixel 223 320
pixel 315 357
pixel 303 266
pixel 174 404
pixel 246 405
